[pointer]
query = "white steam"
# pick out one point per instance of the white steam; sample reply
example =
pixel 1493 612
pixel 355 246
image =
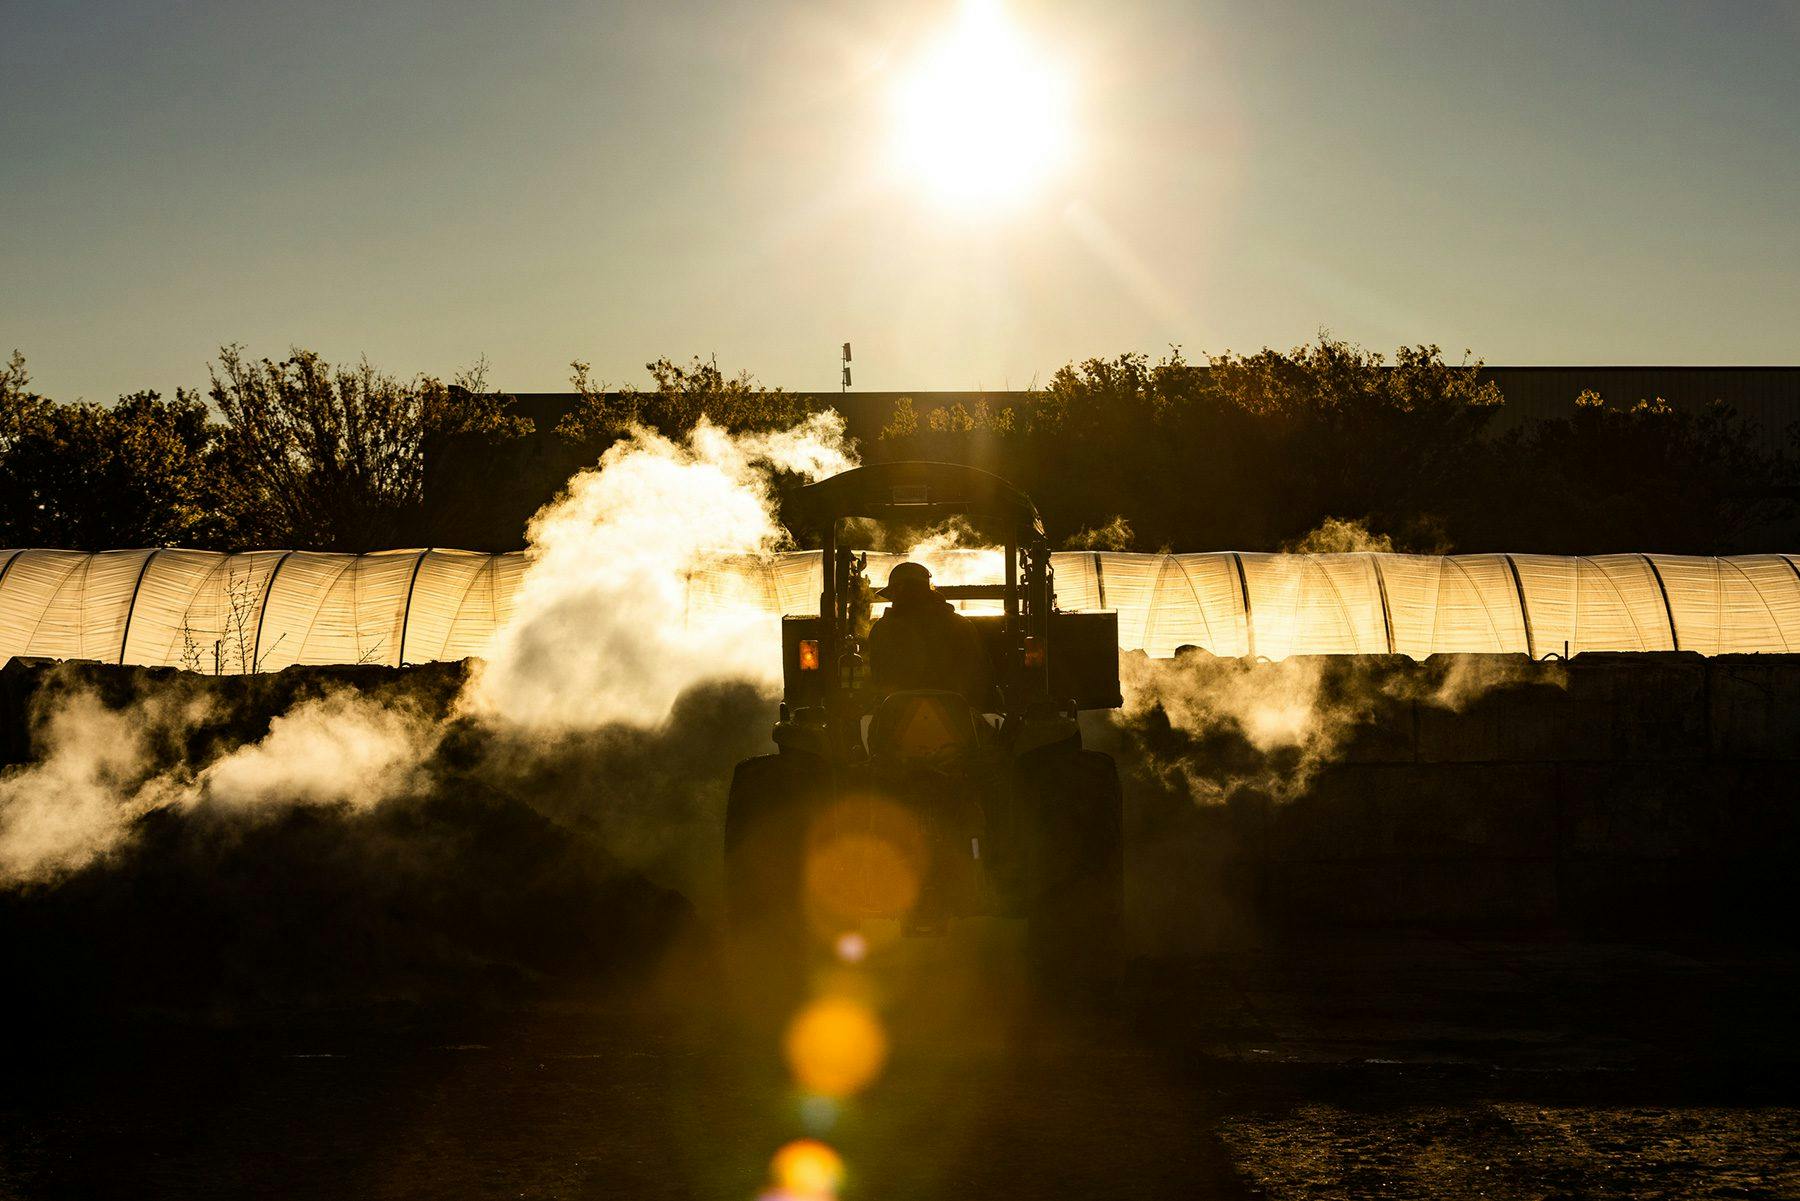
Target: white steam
pixel 92 780
pixel 1293 716
pixel 622 612
pixel 602 634
pixel 1340 535
pixel 955 553
pixel 100 769
pixel 340 748
pixel 603 631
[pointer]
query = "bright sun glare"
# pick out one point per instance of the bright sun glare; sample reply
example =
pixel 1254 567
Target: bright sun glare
pixel 982 118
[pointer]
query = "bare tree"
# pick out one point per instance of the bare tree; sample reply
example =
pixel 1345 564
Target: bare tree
pixel 680 397
pixel 333 457
pixel 234 650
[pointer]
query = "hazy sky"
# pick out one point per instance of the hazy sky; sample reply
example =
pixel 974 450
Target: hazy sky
pixel 428 182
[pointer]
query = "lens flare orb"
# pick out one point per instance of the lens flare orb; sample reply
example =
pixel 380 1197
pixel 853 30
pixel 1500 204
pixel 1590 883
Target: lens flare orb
pixel 835 1047
pixel 818 1114
pixel 806 1170
pixel 865 857
pixel 852 947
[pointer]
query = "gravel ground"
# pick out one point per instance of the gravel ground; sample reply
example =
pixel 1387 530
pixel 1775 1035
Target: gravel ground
pixel 1396 1067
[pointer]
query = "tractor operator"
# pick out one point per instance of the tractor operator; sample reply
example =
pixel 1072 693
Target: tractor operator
pixel 923 642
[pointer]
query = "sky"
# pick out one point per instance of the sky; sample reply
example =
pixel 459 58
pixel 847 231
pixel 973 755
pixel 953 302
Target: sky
pixel 425 184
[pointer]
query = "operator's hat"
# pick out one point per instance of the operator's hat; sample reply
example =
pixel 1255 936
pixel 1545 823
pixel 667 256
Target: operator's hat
pixel 906 579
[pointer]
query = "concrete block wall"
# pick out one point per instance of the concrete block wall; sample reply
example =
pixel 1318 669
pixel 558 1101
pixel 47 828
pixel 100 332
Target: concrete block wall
pixel 1629 792
pixel 1623 792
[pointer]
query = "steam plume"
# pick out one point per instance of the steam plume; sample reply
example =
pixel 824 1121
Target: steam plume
pixel 1214 726
pixel 95 774
pixel 101 767
pixel 601 639
pixel 340 748
pixel 602 633
pixel 1339 535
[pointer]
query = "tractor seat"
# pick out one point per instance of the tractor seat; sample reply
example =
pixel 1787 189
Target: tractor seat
pixel 923 726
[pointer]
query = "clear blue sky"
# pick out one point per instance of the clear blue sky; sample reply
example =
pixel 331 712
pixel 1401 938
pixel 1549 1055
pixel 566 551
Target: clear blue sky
pixel 428 182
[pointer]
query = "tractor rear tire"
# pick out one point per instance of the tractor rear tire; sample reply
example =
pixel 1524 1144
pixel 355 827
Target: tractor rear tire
pixel 772 802
pixel 1074 903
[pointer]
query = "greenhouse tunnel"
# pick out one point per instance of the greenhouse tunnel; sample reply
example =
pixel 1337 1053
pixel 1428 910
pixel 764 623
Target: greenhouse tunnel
pixel 266 610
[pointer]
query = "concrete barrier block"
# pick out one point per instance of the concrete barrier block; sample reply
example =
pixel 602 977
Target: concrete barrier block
pixel 1332 819
pixel 1646 897
pixel 1637 810
pixel 1384 734
pixel 1595 708
pixel 1537 722
pixel 1457 810
pixel 1190 885
pixel 1657 702
pixel 1368 702
pixel 1753 897
pixel 1466 706
pixel 1471 735
pixel 1755 706
pixel 1758 812
pixel 1420 811
pixel 1443 894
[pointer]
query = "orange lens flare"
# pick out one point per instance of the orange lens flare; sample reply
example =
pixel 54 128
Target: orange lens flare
pixel 807 1169
pixel 835 1047
pixel 851 946
pixel 861 875
pixel 864 858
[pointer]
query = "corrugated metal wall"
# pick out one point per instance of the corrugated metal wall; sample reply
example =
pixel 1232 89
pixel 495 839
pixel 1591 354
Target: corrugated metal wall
pixel 1766 396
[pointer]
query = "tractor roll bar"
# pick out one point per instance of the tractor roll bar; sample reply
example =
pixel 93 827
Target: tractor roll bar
pixel 927 493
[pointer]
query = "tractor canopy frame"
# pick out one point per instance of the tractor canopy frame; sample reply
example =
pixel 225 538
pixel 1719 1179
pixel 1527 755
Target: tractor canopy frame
pixel 926 493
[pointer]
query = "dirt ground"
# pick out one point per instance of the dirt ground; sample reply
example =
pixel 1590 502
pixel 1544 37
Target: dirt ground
pixel 1392 1067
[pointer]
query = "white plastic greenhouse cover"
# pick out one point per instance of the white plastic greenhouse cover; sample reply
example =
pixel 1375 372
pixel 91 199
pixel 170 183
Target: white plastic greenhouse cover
pixel 265 610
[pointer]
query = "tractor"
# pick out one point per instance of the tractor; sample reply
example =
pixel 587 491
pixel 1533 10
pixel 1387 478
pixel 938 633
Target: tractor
pixel 922 807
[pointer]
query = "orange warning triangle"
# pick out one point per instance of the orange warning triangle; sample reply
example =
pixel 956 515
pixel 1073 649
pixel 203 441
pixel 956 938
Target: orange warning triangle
pixel 926 731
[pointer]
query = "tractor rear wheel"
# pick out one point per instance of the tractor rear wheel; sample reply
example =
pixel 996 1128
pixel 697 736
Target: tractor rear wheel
pixel 1075 885
pixel 772 802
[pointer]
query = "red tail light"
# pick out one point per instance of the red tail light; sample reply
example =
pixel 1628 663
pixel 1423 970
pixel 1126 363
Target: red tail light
pixel 809 654
pixel 1034 651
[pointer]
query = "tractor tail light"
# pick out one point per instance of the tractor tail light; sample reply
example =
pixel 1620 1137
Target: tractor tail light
pixel 1034 651
pixel 809 654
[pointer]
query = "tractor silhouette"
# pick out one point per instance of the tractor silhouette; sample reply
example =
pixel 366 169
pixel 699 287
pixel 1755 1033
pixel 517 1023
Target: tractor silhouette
pixel 925 806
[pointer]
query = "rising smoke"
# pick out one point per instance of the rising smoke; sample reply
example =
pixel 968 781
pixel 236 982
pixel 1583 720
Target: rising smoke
pixel 340 748
pixel 1340 535
pixel 97 771
pixel 549 814
pixel 602 702
pixel 589 747
pixel 1217 728
pixel 103 762
pixel 602 632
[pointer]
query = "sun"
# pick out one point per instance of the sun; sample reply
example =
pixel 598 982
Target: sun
pixel 982 118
